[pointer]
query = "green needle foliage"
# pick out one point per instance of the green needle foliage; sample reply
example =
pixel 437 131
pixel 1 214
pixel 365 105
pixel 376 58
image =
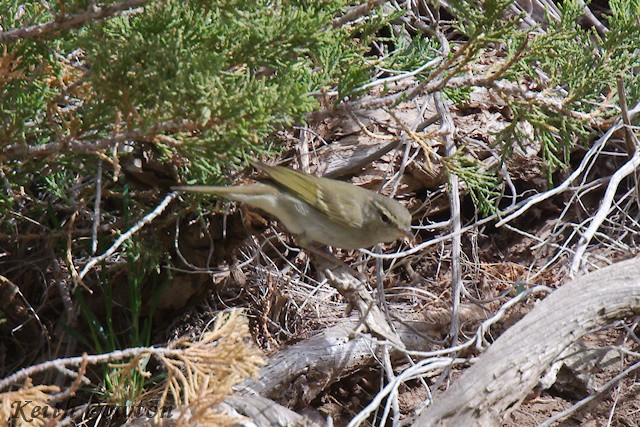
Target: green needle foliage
pixel 191 89
pixel 231 73
pixel 481 184
pixel 198 85
pixel 195 87
pixel 233 70
pixel 203 82
pixel 573 69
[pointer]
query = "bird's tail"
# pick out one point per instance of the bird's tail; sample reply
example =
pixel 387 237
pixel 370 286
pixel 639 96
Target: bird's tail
pixel 208 189
pixel 236 192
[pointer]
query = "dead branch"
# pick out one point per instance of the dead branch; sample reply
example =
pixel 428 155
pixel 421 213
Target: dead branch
pixel 266 412
pixel 604 209
pixel 588 399
pixel 318 362
pixel 359 297
pixel 512 366
pixel 78 145
pixel 123 238
pixel 448 128
pixel 70 21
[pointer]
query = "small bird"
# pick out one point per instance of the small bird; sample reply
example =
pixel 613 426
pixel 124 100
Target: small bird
pixel 320 210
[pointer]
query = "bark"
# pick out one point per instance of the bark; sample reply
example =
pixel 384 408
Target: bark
pixel 300 372
pixel 503 376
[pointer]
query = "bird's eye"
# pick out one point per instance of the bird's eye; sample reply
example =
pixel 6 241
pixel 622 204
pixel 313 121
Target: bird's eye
pixel 385 218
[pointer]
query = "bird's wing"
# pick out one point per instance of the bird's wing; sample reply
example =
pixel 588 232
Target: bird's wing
pixel 340 207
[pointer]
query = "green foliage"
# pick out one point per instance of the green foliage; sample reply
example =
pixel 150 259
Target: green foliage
pixel 409 55
pixel 206 83
pixel 484 20
pixel 239 69
pixel 458 94
pixel 482 184
pixel 623 43
pixel 221 77
pixel 419 50
pixel 580 60
pixel 623 25
pixel 122 326
pixel 27 87
pixel 565 55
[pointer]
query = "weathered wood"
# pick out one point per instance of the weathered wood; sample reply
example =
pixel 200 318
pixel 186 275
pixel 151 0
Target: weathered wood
pixel 264 412
pixel 300 372
pixel 498 382
pixel 358 296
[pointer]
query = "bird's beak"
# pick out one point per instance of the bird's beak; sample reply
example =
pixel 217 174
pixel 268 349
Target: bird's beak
pixel 406 232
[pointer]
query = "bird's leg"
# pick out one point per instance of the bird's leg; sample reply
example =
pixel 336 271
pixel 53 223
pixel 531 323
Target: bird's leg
pixel 321 254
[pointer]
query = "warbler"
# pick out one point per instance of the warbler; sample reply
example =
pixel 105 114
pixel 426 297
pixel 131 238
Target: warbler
pixel 320 210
